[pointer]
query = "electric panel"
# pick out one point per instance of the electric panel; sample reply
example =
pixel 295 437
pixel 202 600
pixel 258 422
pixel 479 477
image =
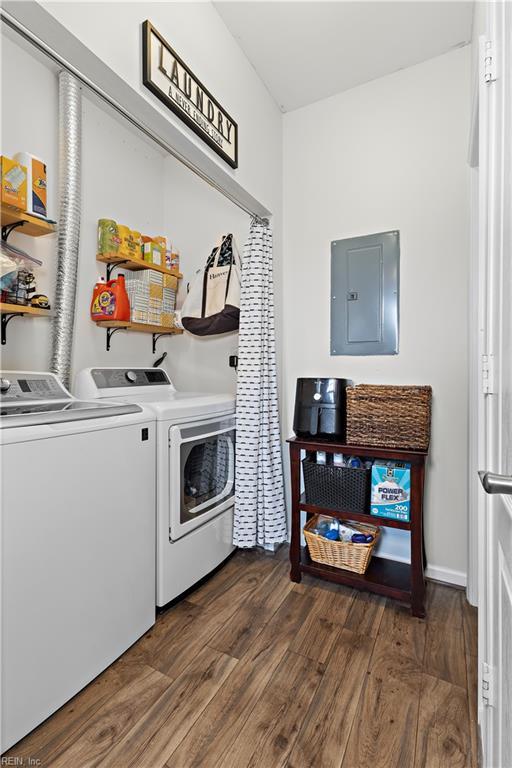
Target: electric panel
pixel 365 295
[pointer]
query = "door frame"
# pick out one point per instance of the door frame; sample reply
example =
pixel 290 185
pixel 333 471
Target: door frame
pixel 487 120
pixel 478 348
pixel 476 324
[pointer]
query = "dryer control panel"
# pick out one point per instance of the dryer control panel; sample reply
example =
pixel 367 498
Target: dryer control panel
pixel 114 378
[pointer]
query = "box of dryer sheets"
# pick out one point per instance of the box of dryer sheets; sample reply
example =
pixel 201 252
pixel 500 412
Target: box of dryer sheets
pixel 391 490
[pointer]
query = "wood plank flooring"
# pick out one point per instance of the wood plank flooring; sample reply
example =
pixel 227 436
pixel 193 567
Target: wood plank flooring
pixel 253 670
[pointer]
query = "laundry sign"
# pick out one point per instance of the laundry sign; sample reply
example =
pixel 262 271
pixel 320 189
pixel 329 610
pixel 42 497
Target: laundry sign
pixel 169 78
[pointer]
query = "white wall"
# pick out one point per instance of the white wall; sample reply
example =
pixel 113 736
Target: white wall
pixel 129 179
pixel 197 216
pixel 198 34
pixel 29 125
pixel 391 154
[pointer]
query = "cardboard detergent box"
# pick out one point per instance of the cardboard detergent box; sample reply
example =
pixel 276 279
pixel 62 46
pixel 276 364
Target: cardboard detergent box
pixel 14 183
pixel 391 490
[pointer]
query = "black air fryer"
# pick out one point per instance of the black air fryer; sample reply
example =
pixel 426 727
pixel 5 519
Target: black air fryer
pixel 321 408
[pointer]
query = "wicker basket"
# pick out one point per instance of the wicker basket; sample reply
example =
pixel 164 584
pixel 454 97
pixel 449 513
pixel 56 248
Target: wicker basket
pixel 389 416
pixel 335 487
pixel 341 554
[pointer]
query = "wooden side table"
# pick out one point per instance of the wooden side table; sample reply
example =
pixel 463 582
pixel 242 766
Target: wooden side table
pixel 401 581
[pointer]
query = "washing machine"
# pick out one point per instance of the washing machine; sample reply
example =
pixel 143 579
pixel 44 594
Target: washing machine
pixel 195 462
pixel 78 513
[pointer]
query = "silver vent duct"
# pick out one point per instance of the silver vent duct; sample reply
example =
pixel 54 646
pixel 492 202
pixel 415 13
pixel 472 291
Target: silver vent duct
pixel 70 150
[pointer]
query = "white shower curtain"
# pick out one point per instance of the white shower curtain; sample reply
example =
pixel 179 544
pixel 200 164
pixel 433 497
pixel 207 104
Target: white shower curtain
pixel 260 514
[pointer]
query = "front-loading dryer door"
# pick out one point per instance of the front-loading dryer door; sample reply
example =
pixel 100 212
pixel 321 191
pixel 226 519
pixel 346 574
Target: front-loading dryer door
pixel 202 472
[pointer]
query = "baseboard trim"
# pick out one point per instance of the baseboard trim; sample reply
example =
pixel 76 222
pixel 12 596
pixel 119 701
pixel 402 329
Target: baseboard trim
pixel 446 575
pixel 392 556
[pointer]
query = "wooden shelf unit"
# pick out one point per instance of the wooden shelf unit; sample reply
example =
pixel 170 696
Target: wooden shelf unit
pixel 366 517
pixel 134 264
pixel 391 578
pixel 28 224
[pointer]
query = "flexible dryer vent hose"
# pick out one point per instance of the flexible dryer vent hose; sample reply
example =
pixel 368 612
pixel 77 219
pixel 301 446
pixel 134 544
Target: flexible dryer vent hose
pixel 70 150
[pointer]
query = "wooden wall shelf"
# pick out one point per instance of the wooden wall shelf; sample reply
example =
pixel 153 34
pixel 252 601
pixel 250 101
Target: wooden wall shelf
pixel 112 326
pixel 139 327
pixel 401 581
pixel 114 259
pixel 9 311
pixel 20 309
pixel 28 224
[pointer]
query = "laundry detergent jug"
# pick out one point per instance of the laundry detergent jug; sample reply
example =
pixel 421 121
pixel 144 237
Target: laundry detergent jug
pixel 110 300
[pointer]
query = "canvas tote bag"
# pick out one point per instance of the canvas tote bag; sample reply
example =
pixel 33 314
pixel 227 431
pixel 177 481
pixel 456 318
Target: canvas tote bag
pixel 212 305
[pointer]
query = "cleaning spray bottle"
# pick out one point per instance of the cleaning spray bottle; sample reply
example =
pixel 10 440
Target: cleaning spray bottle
pixel 110 300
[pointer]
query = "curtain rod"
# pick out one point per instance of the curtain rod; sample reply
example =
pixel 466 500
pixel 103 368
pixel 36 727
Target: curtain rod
pixel 24 32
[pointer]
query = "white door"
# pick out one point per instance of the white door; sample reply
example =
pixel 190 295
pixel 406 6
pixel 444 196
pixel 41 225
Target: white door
pixel 495 599
pixel 202 475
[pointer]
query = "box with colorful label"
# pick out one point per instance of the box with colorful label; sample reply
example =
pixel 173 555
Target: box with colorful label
pixel 36 183
pixel 14 183
pixel 152 251
pixel 39 193
pixel 391 490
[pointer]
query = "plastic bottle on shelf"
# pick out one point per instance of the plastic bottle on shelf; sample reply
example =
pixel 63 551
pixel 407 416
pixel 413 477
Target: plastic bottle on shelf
pixel 101 299
pixel 110 300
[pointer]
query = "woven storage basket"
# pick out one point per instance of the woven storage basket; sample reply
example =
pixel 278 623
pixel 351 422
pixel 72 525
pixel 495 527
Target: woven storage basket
pixel 389 416
pixel 341 554
pixel 334 487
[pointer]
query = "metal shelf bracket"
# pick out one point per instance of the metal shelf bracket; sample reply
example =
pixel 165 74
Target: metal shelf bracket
pixel 110 333
pixel 157 336
pixel 112 265
pixel 5 320
pixel 8 228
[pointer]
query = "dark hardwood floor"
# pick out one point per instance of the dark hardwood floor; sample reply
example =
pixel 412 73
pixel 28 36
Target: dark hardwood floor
pixel 252 670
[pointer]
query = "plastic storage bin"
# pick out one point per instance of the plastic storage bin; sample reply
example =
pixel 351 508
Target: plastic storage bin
pixel 334 487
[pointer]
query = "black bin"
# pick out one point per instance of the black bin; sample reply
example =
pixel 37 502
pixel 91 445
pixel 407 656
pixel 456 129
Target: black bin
pixel 321 408
pixel 332 487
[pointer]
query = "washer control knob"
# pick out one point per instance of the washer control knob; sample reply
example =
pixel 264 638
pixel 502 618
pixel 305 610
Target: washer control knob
pixel 131 376
pixel 5 385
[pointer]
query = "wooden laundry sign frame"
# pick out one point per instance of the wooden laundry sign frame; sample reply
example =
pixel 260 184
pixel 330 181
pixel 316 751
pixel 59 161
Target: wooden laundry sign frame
pixel 167 76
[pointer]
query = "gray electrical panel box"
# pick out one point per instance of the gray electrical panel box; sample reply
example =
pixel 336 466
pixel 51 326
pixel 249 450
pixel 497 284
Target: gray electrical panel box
pixel 365 295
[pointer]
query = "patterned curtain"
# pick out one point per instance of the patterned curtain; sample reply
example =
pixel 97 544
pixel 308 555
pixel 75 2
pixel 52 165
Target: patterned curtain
pixel 260 513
